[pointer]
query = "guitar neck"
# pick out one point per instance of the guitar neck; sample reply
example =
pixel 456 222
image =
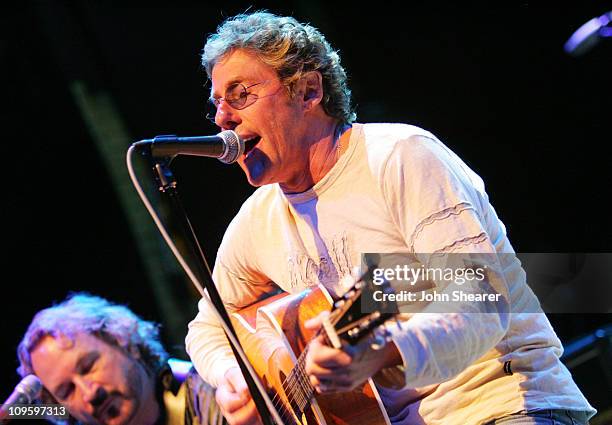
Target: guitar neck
pixel 297 384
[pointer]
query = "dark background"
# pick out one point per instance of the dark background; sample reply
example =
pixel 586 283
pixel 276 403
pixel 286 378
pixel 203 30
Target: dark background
pixel 493 82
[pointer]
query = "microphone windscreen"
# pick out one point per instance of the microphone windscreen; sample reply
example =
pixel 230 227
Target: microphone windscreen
pixel 30 386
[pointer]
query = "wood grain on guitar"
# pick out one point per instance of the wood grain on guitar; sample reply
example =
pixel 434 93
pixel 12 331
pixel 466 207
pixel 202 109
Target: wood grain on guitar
pixel 275 340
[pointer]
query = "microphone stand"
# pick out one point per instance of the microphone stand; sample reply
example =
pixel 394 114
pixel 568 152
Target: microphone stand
pixel 178 225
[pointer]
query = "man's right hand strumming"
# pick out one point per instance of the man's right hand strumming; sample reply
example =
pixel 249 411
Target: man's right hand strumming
pixel 235 400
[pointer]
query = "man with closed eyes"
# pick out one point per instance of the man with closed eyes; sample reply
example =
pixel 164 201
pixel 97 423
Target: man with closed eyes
pixel 107 366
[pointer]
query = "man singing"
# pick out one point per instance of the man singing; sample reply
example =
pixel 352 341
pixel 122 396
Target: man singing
pixel 330 189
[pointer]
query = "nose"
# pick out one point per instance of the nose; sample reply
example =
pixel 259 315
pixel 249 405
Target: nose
pixel 226 117
pixel 91 392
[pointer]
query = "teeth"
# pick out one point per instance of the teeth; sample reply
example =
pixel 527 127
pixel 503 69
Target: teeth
pixel 250 146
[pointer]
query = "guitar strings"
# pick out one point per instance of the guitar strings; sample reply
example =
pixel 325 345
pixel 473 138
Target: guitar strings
pixel 298 389
pixel 297 386
pixel 299 394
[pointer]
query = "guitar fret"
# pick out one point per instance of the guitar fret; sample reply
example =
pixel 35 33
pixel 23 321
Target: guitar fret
pixel 299 397
pixel 309 390
pixel 299 388
pixel 304 381
pixel 297 385
pixel 301 400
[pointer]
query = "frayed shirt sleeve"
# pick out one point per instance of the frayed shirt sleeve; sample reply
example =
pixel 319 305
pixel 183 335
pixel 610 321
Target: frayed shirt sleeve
pixel 439 206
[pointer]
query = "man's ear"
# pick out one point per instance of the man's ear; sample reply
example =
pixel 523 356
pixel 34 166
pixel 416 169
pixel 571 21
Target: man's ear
pixel 311 89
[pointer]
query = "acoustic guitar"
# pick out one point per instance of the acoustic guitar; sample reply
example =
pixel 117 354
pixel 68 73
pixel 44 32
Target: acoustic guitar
pixel 275 340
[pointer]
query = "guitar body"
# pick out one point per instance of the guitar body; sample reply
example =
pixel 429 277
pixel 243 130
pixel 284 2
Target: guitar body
pixel 273 336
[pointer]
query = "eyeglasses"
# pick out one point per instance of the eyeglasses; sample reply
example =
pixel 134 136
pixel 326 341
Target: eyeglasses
pixel 236 95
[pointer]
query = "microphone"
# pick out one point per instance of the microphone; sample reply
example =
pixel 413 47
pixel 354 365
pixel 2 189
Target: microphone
pixel 588 35
pixel 25 392
pixel 226 146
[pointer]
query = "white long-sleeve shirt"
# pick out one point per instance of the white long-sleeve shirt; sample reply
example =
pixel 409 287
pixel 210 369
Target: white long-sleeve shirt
pixel 397 189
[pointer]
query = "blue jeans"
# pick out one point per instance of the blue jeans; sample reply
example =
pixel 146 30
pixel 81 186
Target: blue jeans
pixel 543 417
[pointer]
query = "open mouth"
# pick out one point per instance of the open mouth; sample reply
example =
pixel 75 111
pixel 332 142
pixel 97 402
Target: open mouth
pixel 249 144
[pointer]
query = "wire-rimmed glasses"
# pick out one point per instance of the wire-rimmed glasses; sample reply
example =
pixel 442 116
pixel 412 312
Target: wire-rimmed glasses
pixel 236 95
